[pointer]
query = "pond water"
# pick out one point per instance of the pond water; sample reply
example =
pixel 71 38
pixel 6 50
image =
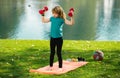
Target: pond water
pixel 94 19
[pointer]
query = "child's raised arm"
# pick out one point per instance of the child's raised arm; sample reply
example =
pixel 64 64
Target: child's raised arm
pixel 69 22
pixel 70 14
pixel 45 20
pixel 42 13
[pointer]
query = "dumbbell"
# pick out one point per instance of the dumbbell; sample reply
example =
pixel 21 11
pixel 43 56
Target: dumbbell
pixel 71 11
pixel 42 11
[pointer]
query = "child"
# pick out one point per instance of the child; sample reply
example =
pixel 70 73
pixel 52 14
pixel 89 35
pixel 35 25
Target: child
pixel 56 40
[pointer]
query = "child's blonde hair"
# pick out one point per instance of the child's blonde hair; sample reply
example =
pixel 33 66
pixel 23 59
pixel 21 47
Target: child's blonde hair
pixel 59 11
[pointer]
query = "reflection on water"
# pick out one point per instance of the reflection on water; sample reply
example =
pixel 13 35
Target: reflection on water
pixel 108 20
pixel 94 19
pixel 30 26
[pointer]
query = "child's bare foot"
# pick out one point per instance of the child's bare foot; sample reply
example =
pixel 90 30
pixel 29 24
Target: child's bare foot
pixel 50 68
pixel 60 69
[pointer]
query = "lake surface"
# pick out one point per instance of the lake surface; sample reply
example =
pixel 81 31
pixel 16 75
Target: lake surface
pixel 94 19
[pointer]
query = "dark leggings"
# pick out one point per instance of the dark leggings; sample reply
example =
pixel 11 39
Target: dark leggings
pixel 56 43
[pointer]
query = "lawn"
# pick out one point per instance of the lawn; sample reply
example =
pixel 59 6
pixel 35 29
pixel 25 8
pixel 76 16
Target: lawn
pixel 17 57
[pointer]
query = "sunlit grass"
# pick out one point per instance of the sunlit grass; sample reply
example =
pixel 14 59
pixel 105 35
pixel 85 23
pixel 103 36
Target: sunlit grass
pixel 18 56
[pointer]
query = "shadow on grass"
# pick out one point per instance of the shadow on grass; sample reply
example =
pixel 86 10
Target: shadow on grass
pixel 18 64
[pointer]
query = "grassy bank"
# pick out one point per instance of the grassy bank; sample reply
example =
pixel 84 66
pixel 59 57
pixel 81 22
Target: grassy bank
pixel 18 56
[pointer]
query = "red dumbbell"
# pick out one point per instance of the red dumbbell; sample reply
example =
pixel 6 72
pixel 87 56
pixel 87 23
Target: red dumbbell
pixel 43 10
pixel 71 11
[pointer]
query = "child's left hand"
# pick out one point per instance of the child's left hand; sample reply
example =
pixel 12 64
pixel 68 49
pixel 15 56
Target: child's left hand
pixel 42 12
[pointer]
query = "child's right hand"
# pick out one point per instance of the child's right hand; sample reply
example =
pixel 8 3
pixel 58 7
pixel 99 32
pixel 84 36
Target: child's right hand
pixel 71 12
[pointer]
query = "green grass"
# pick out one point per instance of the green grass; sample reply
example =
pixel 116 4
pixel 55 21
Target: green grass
pixel 17 57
